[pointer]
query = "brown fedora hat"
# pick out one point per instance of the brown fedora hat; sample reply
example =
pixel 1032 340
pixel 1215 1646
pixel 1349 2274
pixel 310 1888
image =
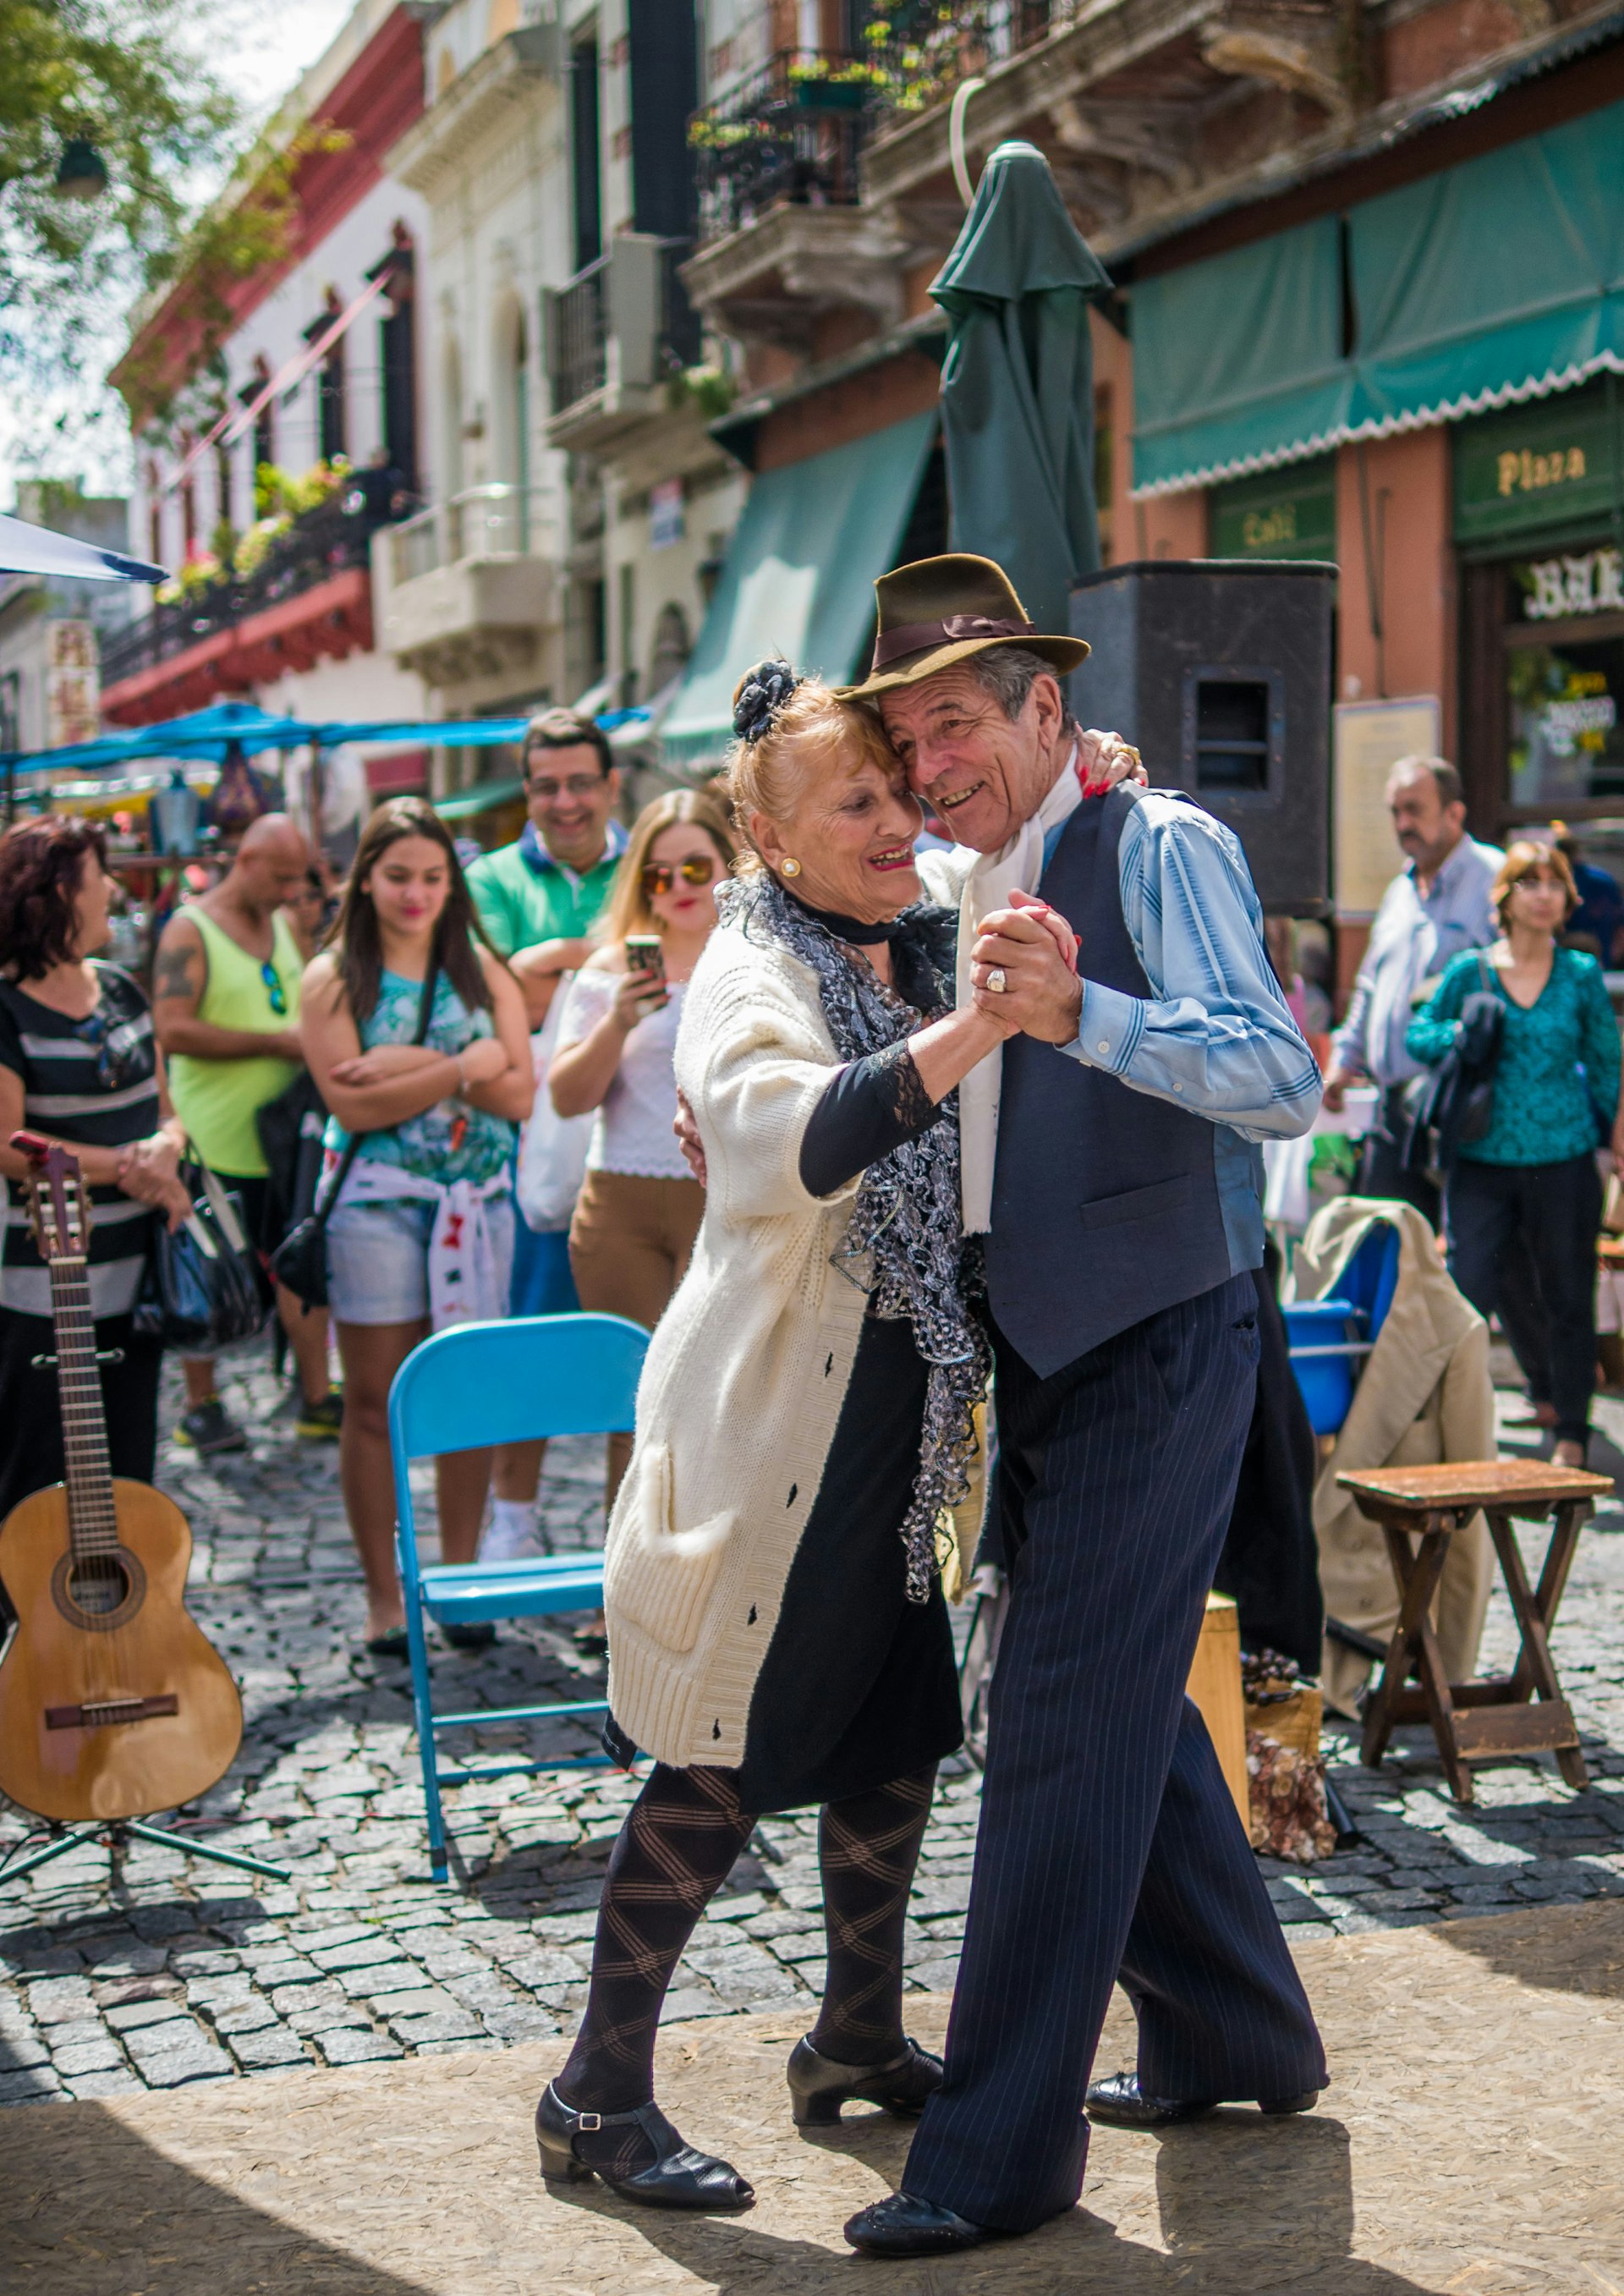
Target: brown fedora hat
pixel 941 611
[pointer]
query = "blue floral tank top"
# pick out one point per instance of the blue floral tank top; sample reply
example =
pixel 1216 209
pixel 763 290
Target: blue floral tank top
pixel 450 1141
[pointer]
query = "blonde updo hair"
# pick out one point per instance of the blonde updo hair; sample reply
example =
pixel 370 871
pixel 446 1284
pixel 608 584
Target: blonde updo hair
pixel 811 735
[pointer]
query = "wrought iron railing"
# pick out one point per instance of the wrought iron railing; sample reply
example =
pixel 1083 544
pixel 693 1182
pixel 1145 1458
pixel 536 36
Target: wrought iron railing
pixel 793 132
pixel 578 352
pixel 583 316
pixel 334 535
pixel 493 522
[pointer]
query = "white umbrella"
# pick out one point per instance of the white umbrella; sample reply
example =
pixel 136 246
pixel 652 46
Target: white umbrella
pixel 26 549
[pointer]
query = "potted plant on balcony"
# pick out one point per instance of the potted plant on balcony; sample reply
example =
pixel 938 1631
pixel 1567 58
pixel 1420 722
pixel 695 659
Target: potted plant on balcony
pixel 820 82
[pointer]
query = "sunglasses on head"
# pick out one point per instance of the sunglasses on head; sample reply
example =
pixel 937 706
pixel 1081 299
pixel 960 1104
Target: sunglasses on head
pixel 660 876
pixel 274 990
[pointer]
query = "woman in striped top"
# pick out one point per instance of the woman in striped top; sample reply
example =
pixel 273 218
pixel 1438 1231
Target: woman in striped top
pixel 78 1064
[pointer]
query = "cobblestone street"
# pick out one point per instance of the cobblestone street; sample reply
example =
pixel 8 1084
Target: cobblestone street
pixel 175 1970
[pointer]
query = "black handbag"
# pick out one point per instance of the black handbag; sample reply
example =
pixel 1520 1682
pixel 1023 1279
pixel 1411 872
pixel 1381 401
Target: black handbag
pixel 300 1261
pixel 1452 1105
pixel 201 1290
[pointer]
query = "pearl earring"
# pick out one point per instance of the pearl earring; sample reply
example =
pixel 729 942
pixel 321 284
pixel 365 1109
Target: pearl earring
pixel 789 867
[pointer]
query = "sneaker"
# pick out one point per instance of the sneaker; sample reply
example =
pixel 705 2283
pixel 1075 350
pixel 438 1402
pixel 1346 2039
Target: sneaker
pixel 511 1542
pixel 210 1427
pixel 320 1422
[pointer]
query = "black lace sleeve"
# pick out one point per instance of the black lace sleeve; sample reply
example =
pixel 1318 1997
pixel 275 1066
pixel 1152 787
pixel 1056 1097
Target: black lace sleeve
pixel 871 1106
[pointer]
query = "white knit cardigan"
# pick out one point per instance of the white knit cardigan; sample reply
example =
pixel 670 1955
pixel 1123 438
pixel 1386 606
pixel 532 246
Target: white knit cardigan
pixel 746 1373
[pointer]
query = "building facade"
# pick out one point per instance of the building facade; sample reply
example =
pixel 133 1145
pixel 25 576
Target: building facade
pixel 277 421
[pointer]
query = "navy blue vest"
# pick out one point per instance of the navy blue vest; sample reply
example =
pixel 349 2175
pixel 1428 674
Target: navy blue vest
pixel 1105 1203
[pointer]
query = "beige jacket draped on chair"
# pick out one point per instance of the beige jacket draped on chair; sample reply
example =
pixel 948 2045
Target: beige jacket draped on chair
pixel 1425 1395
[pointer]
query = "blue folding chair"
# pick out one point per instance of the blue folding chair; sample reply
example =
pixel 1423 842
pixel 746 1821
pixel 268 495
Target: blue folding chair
pixel 461 1390
pixel 1329 1339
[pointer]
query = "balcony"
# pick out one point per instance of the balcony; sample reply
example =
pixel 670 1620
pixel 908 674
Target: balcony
pixel 463 592
pixel 618 335
pixel 308 599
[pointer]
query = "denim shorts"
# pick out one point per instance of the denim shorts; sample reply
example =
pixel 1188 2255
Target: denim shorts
pixel 378 1258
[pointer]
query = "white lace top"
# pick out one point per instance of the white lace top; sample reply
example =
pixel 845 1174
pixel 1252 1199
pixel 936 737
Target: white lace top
pixel 632 1132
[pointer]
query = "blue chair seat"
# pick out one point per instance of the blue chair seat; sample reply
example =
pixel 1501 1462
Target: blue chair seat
pixel 465 1390
pixel 535 1588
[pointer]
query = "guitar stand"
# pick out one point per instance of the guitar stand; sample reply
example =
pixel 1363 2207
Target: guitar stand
pixel 116 1831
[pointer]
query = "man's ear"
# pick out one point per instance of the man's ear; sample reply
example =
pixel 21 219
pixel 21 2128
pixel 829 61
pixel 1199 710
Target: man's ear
pixel 1050 704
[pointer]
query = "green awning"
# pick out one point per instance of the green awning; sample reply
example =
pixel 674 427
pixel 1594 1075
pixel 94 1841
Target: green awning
pixel 798 575
pixel 1237 362
pixel 481 799
pixel 1499 280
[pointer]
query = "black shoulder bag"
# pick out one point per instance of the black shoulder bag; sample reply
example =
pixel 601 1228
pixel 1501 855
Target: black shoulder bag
pixel 300 1260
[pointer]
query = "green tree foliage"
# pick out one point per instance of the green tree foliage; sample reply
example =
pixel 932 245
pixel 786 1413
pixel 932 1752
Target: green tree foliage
pixel 128 77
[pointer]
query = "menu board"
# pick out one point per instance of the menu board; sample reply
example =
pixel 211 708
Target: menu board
pixel 1369 738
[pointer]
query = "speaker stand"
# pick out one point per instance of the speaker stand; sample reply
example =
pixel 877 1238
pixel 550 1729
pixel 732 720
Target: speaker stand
pixel 116 1831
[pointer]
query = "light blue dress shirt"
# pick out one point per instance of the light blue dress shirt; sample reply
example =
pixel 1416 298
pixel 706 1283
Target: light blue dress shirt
pixel 1216 1035
pixel 1415 937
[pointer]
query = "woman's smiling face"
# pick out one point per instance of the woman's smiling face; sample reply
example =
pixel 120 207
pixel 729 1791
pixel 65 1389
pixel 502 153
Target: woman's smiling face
pixel 853 835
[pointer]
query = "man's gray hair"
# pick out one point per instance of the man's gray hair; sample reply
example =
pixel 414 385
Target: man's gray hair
pixel 1445 780
pixel 1009 673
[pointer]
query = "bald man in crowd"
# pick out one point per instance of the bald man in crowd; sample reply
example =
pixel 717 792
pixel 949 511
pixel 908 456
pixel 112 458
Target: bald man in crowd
pixel 225 992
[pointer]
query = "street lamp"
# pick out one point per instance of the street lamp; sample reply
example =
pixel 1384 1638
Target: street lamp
pixel 81 172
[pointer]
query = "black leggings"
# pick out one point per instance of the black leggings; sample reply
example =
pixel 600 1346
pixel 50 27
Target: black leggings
pixel 676 1850
pixel 1549 1286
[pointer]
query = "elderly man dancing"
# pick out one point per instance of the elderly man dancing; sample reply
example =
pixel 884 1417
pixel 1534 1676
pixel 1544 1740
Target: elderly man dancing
pixel 1108 1154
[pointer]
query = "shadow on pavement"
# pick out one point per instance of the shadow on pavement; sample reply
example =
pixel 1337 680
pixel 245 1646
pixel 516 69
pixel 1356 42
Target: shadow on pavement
pixel 1558 1948
pixel 88 2208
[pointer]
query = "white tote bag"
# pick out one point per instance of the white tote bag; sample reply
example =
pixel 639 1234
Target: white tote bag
pixel 552 1148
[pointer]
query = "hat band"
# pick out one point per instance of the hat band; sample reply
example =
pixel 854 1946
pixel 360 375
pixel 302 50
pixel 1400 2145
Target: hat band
pixel 919 637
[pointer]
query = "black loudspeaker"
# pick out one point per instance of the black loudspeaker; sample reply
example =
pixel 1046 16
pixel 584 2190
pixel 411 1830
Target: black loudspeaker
pixel 1219 671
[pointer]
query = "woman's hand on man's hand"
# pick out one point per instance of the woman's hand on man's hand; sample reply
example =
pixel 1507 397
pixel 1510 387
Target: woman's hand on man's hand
pixel 1035 954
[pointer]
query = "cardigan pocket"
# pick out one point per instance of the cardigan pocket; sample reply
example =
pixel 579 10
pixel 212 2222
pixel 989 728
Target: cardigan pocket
pixel 659 1578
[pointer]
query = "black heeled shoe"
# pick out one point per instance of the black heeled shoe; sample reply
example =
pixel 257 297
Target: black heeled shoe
pixel 678 2177
pixel 819 2087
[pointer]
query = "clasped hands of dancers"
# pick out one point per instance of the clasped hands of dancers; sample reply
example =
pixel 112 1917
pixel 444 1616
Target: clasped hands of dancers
pixel 945 1124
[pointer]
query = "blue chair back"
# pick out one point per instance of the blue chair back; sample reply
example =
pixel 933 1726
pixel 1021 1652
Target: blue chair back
pixel 1371 1276
pixel 1330 1339
pixel 477 1384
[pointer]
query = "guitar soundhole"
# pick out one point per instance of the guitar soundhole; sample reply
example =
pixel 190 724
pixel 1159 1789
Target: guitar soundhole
pixel 99 1592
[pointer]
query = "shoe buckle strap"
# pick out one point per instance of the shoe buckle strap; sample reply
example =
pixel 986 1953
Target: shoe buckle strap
pixel 590 2121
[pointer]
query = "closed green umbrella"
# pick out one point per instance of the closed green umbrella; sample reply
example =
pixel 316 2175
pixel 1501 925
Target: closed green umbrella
pixel 1017 390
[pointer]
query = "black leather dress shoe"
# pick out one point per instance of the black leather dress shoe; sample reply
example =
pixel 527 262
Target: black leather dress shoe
pixel 902 2225
pixel 1117 2102
pixel 819 2085
pixel 678 2177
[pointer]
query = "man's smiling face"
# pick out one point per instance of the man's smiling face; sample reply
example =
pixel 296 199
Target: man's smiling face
pixel 981 772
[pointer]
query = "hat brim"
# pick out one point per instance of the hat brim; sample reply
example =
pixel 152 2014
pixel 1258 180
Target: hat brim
pixel 1062 654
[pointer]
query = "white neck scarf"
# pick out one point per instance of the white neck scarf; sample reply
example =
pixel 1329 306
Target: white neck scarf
pixel 1014 868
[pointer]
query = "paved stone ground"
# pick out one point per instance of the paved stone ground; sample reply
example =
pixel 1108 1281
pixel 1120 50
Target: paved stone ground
pixel 172 1970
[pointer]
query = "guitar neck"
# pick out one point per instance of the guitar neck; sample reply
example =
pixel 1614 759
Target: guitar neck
pixel 92 1517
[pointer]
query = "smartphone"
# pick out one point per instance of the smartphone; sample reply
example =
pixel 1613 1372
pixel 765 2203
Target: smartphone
pixel 644 954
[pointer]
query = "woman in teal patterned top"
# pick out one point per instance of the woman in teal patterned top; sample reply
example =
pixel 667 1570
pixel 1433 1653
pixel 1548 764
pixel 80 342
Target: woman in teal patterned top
pixel 1534 1173
pixel 423 1225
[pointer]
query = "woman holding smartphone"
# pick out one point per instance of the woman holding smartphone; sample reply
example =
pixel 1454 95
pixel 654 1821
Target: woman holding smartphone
pixel 639 1210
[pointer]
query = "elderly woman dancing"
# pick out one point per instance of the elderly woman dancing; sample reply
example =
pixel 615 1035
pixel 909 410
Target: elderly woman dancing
pixel 777 1634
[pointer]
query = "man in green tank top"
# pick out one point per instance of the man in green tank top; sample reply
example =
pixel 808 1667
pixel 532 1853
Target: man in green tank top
pixel 225 995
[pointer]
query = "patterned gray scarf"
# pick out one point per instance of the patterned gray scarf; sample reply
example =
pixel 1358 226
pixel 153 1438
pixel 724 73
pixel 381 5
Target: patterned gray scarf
pixel 905 1219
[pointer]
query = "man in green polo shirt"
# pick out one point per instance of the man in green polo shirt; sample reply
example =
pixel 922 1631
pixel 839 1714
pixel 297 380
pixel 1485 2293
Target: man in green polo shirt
pixel 538 899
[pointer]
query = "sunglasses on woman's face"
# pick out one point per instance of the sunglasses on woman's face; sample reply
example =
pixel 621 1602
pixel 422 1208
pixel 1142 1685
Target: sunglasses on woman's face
pixel 277 994
pixel 660 876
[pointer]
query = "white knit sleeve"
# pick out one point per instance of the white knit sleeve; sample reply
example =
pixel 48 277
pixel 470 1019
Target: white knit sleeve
pixel 753 1061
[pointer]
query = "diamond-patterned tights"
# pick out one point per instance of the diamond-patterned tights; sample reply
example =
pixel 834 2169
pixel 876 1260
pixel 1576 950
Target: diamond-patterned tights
pixel 676 1850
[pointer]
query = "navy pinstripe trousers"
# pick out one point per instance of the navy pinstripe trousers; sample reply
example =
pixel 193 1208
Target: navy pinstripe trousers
pixel 1108 1846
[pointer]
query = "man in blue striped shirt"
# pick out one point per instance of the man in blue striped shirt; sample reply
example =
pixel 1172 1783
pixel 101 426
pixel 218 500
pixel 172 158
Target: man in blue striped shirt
pixel 1110 1155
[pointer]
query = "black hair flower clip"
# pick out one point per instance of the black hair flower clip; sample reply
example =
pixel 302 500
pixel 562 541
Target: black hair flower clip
pixel 758 697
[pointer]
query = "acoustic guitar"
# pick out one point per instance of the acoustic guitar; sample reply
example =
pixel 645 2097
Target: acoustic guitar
pixel 113 1703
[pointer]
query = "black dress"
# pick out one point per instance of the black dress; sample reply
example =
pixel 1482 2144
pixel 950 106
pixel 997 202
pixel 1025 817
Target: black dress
pixel 858 1686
